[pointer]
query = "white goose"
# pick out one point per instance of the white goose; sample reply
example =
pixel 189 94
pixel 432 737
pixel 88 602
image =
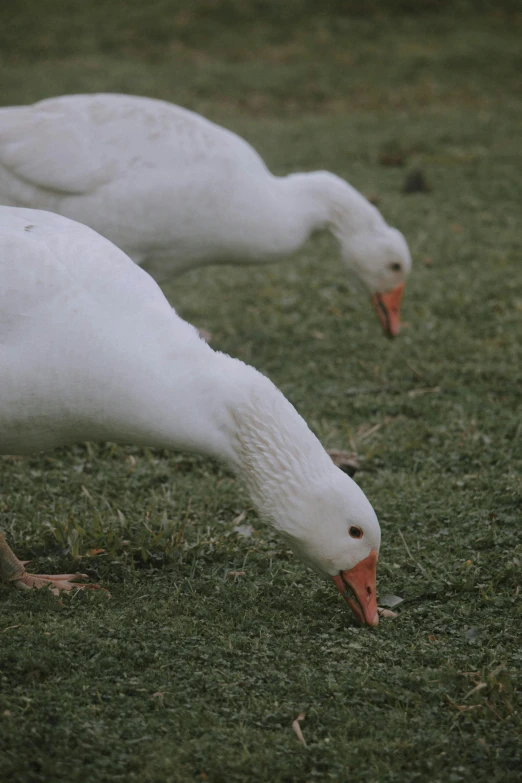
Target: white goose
pixel 175 191
pixel 90 349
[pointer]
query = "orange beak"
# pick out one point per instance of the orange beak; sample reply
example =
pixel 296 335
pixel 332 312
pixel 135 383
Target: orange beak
pixel 387 306
pixel 358 588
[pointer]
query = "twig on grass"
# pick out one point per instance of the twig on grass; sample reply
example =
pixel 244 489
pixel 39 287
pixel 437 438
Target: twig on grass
pixel 463 707
pixel 415 371
pixel 297 728
pixel 421 569
pixel 368 390
pixel 412 391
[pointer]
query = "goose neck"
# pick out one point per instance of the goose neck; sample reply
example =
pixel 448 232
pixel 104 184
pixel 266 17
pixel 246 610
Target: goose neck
pixel 329 202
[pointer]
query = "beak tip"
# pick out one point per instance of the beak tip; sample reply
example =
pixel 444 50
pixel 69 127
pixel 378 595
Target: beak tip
pixel 369 622
pixel 365 622
pixel 361 595
pixel 387 307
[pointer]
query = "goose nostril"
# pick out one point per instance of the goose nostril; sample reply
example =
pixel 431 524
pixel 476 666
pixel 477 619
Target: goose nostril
pixel 369 591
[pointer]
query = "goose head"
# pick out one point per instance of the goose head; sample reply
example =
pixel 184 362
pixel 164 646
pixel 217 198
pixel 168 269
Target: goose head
pixel 379 260
pixel 322 514
pixel 375 255
pixel 334 529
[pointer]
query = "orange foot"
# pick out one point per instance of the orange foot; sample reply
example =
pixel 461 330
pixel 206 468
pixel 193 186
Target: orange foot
pixel 12 571
pixel 56 582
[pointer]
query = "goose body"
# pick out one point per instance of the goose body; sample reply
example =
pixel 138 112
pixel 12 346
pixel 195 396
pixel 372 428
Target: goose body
pixel 175 191
pixel 90 349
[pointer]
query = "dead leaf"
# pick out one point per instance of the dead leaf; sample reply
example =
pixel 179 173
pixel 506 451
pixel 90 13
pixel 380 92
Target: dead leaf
pixel 205 335
pixel 240 517
pixel 234 575
pixel 297 728
pixel 391 600
pixel 317 335
pixel 428 261
pixel 373 198
pixel 94 552
pixel 345 460
pixel 10 627
pixel 387 614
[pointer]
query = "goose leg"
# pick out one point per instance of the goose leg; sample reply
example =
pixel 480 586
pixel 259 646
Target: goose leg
pixel 12 571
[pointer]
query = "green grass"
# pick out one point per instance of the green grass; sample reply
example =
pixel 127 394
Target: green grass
pixel 185 674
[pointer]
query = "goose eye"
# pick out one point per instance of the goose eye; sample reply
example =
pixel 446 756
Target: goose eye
pixel 355 532
pixel 395 267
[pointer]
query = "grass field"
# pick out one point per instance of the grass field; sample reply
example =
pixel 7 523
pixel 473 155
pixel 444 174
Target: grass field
pixel 187 674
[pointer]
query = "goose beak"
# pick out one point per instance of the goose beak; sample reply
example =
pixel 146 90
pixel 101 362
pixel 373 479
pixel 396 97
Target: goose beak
pixel 358 588
pixel 387 306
